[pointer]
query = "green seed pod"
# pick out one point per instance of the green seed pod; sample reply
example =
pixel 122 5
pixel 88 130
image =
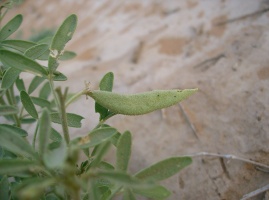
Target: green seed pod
pixel 139 104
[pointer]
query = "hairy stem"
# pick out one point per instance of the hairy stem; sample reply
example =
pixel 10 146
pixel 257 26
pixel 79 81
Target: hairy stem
pixel 35 134
pixel 60 103
pixel 63 114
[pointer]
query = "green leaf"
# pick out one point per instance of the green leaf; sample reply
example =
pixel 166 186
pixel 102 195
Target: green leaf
pixel 10 77
pixel 58 76
pixel 55 136
pixel 56 155
pixel 67 55
pixel 19 45
pixel 93 191
pixel 106 84
pixel 47 40
pixel 61 37
pixel 128 194
pixel 158 192
pixel 100 153
pixel 114 140
pixel 15 129
pixel 164 169
pixel 34 188
pixel 124 179
pixel 4 188
pixel 10 27
pixel 14 143
pixel 105 165
pixel 36 51
pixel 8 110
pixel 28 104
pixel 14 166
pixel 20 84
pixel 45 91
pixel 28 120
pixel 35 83
pixel 124 151
pixel 43 103
pixel 20 62
pixel 73 120
pixel 2 92
pixel 95 137
pixel 44 131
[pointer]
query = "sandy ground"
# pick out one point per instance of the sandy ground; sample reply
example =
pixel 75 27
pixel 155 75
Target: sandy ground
pixel 219 46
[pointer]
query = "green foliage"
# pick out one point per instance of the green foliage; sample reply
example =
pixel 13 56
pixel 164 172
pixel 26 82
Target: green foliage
pixel 53 170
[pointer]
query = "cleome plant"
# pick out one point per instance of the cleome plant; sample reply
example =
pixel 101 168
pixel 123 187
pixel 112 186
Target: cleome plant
pixel 49 166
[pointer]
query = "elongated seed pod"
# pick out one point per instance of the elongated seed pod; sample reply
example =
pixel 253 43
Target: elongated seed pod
pixel 141 103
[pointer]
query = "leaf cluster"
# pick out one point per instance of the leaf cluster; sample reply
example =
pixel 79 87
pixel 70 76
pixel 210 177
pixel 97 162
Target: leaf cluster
pixel 50 167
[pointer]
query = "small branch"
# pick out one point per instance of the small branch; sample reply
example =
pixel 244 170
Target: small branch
pixel 35 134
pixel 259 12
pixel 63 114
pixel 228 156
pixel 211 61
pixel 256 192
pixel 74 98
pixel 188 121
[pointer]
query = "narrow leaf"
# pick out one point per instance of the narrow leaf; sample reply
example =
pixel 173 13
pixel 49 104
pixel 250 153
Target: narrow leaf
pixel 158 192
pixel 34 188
pixel 10 27
pixel 58 76
pixel 124 151
pixel 19 45
pixel 100 153
pixel 14 143
pixel 56 155
pixel 164 169
pixel 20 84
pixel 62 36
pixel 20 62
pixel 36 51
pixel 128 194
pixel 28 120
pixel 4 188
pixel 8 110
pixel 55 136
pixel 96 137
pixel 28 104
pixel 73 120
pixel 43 103
pixel 44 131
pixel 94 193
pixel 35 83
pixel 67 55
pixel 45 91
pixel 15 129
pixel 10 77
pixel 13 166
pixel 106 84
pixel 124 179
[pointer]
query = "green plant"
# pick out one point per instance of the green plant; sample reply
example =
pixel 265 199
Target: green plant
pixel 49 167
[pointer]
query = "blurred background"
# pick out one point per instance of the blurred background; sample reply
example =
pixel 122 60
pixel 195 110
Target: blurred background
pixel 220 47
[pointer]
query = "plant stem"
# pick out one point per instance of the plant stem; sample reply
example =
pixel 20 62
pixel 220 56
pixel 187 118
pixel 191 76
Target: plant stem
pixel 12 101
pixel 228 156
pixel 35 134
pixel 60 99
pixel 75 97
pixel 63 115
